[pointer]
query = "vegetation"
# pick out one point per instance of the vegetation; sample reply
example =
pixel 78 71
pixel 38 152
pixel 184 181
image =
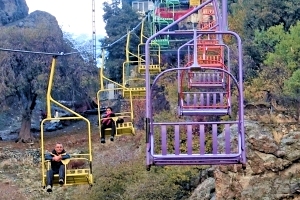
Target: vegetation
pixel 24 76
pixel 118 22
pixel 270 33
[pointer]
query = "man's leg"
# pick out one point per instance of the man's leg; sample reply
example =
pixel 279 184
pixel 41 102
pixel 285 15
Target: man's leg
pixel 50 175
pixel 113 131
pixel 61 174
pixel 102 131
pixel 103 127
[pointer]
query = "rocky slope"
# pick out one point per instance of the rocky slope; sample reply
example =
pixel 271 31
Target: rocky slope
pixel 272 169
pixel 11 11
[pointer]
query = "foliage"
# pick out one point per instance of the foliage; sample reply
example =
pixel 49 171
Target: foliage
pixel 130 180
pixel 292 85
pixel 262 15
pixel 24 76
pixel 280 71
pixel 287 50
pixel 265 41
pixel 118 22
pixel 236 16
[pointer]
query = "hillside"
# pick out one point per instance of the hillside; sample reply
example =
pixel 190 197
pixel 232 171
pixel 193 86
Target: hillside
pixel 118 168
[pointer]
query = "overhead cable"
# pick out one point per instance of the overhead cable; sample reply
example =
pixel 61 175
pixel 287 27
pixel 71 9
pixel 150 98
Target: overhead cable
pixel 124 36
pixel 66 54
pixel 39 52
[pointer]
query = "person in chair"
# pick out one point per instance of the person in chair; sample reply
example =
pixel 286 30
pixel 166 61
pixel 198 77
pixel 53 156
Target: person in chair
pixel 108 122
pixel 57 167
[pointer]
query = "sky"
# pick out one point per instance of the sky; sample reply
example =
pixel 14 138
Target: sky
pixel 73 16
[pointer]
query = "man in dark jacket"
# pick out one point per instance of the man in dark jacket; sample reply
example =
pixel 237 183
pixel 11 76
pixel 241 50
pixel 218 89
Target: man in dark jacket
pixel 57 167
pixel 108 122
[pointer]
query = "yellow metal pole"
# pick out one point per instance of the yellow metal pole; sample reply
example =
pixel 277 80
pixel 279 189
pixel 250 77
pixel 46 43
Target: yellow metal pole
pixel 131 105
pixel 127 46
pixel 101 71
pixel 124 80
pixel 77 116
pixel 142 31
pixel 99 114
pixel 43 153
pixel 50 83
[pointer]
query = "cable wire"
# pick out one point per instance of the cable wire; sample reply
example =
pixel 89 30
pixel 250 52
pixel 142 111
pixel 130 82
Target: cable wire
pixel 124 36
pixel 39 52
pixel 66 54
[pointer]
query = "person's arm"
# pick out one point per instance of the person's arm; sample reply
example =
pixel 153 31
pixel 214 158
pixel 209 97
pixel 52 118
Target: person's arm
pixel 65 156
pixel 48 156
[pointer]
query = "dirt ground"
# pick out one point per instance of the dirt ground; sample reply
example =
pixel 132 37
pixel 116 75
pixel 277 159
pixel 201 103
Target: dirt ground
pixel 74 136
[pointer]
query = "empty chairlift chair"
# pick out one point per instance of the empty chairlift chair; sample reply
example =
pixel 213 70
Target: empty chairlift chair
pixel 203 104
pixel 190 142
pixel 154 68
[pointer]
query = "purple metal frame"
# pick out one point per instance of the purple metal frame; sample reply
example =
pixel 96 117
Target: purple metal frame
pixel 213 79
pixel 227 148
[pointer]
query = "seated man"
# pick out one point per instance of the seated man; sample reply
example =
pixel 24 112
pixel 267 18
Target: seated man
pixel 57 167
pixel 107 122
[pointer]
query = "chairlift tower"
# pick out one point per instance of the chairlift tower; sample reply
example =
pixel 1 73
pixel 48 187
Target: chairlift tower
pixel 94 41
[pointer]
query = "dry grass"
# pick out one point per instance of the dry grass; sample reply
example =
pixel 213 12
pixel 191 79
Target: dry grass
pixel 118 169
pixel 9 191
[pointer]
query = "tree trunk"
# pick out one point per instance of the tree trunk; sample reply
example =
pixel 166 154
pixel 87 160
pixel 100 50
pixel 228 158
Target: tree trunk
pixel 25 134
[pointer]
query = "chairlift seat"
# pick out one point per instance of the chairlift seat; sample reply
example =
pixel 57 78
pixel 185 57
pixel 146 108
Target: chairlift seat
pixel 153 69
pixel 72 176
pixel 161 42
pixel 225 147
pixel 125 128
pixel 203 103
pixel 202 111
pixel 135 92
pixel 164 20
pixel 206 79
pixel 205 84
pixel 196 160
pixel 172 2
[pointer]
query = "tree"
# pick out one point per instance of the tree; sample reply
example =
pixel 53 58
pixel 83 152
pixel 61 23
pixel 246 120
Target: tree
pixel 118 22
pixel 292 89
pixel 280 72
pixel 261 15
pixel 287 51
pixel 265 41
pixel 24 76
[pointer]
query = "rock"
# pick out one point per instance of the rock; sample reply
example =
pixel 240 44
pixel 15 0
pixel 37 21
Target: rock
pixel 53 126
pixel 12 11
pixel 206 191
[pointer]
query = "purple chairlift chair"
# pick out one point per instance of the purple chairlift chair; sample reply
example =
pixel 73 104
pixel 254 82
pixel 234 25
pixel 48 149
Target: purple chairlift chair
pixel 165 139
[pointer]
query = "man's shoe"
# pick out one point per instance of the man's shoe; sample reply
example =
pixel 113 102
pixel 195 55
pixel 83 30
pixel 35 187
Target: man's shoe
pixel 61 181
pixel 49 188
pixel 102 140
pixel 112 138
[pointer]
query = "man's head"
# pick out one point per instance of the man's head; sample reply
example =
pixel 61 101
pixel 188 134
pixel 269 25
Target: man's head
pixel 108 110
pixel 59 147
